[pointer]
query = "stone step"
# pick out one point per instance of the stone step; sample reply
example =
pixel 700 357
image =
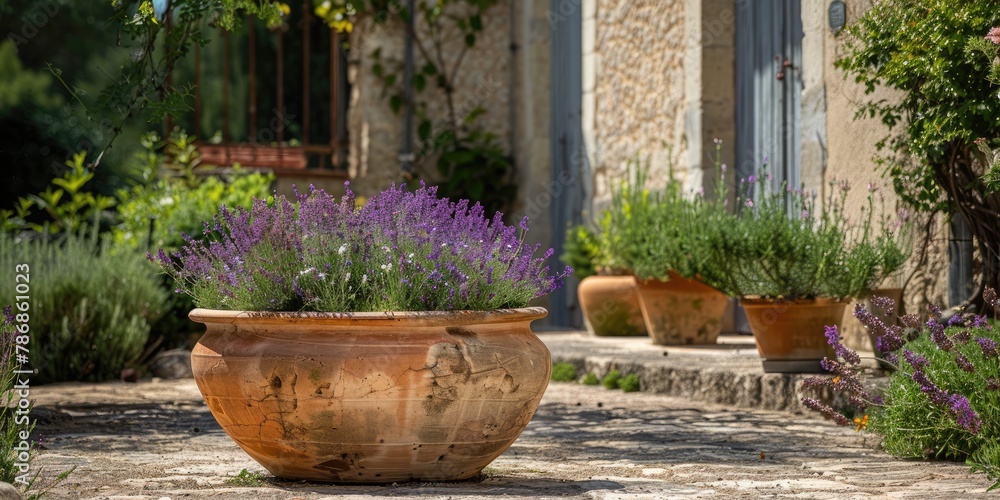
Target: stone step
pixel 728 372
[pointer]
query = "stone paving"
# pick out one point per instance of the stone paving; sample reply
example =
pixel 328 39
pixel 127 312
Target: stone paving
pixel 157 440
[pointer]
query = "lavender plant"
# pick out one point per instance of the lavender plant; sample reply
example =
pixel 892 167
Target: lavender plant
pixel 780 244
pixel 403 251
pixel 943 401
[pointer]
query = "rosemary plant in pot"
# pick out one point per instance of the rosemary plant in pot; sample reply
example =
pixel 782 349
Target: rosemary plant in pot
pixel 608 297
pixel 660 238
pixel 379 344
pixel 795 266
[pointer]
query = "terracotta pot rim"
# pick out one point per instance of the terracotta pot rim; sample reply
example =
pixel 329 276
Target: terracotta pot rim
pixel 820 301
pixel 424 318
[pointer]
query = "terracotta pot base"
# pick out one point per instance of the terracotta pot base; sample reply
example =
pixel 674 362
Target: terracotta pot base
pixel 790 334
pixel 610 306
pixel 372 397
pixel 793 366
pixel 681 311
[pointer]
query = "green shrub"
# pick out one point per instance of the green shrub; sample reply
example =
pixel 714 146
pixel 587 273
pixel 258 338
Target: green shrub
pixel 783 244
pixel 581 251
pixel 944 104
pixel 591 379
pixel 90 310
pixel 563 372
pixel 171 208
pixel 175 208
pixel 630 383
pixel 611 379
pixel 943 401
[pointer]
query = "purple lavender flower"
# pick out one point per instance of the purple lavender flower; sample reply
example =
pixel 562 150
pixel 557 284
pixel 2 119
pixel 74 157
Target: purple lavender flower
pixel 964 363
pixel 938 335
pixel 871 321
pixel 989 347
pixel 990 296
pixel 963 412
pixel 979 321
pixel 962 336
pixel 992 384
pixel 935 311
pixel 826 411
pixel 910 320
pixel 936 395
pixel 956 319
pixel 886 304
pixel 917 361
pixel 842 351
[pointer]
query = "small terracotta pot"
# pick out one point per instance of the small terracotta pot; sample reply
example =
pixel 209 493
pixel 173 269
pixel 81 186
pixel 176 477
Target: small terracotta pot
pixel 610 306
pixel 681 311
pixel 372 397
pixel 790 334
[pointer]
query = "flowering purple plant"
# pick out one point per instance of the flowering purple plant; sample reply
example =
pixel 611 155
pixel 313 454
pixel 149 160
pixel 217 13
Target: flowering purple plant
pixel 943 399
pixel 402 251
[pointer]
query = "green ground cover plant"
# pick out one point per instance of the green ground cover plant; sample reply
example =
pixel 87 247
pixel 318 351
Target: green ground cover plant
pixel 629 383
pixel 943 399
pixel 92 310
pixel 610 381
pixel 563 372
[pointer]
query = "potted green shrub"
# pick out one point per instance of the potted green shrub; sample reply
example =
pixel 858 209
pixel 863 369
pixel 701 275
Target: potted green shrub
pixel 659 237
pixel 794 266
pixel 608 298
pixel 380 344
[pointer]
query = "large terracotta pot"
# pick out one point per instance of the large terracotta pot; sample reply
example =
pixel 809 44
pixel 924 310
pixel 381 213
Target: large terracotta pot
pixel 681 311
pixel 372 397
pixel 610 306
pixel 790 334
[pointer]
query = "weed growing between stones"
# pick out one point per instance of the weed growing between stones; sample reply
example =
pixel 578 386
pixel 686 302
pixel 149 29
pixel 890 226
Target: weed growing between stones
pixel 247 478
pixel 943 399
pixel 629 383
pixel 610 380
pixel 563 372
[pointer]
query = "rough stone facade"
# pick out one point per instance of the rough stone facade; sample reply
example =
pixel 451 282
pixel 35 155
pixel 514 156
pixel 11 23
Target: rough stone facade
pixel 837 146
pixel 484 78
pixel 658 84
pixel 637 88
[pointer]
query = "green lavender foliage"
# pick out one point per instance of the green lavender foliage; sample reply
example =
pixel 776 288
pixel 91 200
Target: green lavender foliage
pixel 90 310
pixel 648 232
pixel 913 426
pixel 785 246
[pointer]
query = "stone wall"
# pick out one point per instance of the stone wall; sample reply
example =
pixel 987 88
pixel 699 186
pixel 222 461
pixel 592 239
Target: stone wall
pixel 484 79
pixel 837 146
pixel 634 82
